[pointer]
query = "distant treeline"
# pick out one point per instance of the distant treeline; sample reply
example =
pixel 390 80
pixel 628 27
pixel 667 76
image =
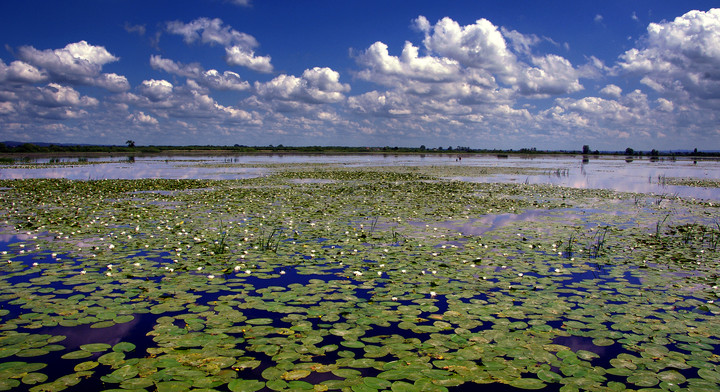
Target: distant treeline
pixel 30 148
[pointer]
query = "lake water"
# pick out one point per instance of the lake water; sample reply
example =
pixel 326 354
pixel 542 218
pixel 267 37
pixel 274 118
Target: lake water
pixel 638 175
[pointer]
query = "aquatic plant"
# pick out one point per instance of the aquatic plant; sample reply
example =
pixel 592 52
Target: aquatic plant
pixel 428 301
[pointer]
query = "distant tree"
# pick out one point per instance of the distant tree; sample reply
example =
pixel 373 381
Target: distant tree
pixel 654 153
pixel 449 148
pixel 130 143
pixel 422 147
pixel 586 149
pixel 629 151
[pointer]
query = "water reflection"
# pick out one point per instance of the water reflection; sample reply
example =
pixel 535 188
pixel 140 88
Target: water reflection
pixel 616 173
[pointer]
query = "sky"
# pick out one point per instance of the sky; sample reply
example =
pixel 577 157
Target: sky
pixel 551 75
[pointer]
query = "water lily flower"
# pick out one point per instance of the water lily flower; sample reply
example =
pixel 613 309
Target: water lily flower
pixel 35 264
pixel 357 273
pixel 379 273
pixel 433 294
pixel 211 276
pixel 520 274
pixel 109 266
pixel 394 299
pixel 108 273
pixel 403 271
pixel 282 272
pixel 83 272
pixel 199 268
pixel 248 272
pixel 137 264
pixel 237 268
pixel 557 269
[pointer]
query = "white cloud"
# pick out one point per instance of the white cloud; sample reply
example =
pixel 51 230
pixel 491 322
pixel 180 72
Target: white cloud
pixel 19 71
pixel 665 105
pixel 77 62
pixel 239 47
pixel 212 78
pixel 551 75
pixel 156 90
pixel 520 43
pixel 112 82
pixel 211 31
pixel 479 45
pixel 598 18
pixel 317 85
pixel 463 58
pixel 408 65
pixel 57 95
pixel 238 55
pixel 140 118
pixel 612 91
pixel 6 107
pixel 680 56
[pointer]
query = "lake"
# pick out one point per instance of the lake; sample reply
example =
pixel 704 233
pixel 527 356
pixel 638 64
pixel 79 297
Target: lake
pixel 601 172
pixel 359 273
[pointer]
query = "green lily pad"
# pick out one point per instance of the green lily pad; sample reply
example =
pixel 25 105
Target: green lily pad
pixel 246 385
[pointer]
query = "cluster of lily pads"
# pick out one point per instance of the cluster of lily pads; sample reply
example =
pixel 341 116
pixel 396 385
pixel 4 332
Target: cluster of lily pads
pixel 355 279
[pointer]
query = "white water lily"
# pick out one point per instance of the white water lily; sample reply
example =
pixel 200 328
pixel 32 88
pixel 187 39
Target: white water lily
pixel 394 299
pixel 248 272
pixel 282 272
pixel 35 264
pixel 237 268
pixel 211 276
pixel 109 266
pixel 83 272
pixel 433 294
pixel 108 273
pixel 357 273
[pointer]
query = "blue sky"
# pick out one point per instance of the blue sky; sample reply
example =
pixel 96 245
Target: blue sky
pixel 483 74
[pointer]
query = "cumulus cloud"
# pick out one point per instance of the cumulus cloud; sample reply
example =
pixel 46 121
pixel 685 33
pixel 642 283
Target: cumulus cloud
pixel 239 46
pixel 466 62
pixel 156 90
pixel 611 90
pixel 56 95
pixel 317 85
pixel 479 45
pixel 140 118
pixel 244 57
pixel 210 31
pixel 77 62
pixel 680 56
pixel 425 68
pixel 19 71
pixel 212 78
pixel 551 75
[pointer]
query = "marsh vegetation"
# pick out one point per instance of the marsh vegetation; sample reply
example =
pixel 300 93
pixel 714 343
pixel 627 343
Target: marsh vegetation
pixel 354 278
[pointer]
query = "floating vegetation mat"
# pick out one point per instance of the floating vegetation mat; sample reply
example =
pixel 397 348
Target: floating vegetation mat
pixel 354 279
